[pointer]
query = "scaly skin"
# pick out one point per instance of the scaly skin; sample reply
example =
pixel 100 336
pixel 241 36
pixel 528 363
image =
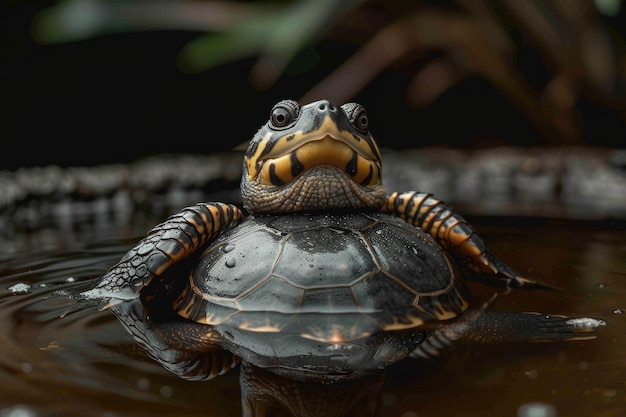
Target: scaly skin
pixel 457 237
pixel 167 243
pixel 321 157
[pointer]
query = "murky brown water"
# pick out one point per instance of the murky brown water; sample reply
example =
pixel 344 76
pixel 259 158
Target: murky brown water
pixel 85 364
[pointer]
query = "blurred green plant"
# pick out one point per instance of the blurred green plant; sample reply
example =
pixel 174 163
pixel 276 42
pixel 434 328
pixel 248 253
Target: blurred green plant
pixel 275 31
pixel 442 42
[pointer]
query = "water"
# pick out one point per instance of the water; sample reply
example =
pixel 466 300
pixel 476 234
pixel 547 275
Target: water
pixel 85 363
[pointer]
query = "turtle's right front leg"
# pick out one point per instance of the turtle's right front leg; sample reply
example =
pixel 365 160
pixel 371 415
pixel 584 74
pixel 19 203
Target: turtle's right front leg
pixel 167 243
pixel 458 237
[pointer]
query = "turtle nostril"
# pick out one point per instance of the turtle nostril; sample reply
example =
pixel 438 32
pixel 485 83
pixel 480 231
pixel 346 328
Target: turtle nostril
pixel 326 106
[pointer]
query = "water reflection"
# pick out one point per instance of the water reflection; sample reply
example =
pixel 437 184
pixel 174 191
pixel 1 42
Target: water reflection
pixel 262 392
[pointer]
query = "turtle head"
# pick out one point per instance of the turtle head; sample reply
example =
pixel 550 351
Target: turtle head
pixel 312 157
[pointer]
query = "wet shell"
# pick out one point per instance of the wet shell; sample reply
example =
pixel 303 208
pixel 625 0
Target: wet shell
pixel 332 278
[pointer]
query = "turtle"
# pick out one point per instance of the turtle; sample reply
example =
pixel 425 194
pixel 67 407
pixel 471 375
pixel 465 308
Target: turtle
pixel 321 275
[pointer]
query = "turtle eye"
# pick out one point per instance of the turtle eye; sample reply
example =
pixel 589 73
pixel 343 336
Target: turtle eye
pixel 357 115
pixel 361 121
pixel 284 114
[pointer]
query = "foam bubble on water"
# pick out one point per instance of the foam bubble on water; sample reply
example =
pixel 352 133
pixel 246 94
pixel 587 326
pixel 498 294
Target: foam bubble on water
pixel 20 288
pixel 18 411
pixel 536 409
pixel 585 323
pixel 143 384
pixel 166 391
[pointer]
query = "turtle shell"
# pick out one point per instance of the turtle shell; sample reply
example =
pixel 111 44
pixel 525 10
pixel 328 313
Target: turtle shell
pixel 319 284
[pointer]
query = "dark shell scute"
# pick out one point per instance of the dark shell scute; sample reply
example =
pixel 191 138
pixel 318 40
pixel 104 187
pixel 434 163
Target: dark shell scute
pixel 334 300
pixel 234 266
pixel 405 253
pixel 271 295
pixel 378 291
pixel 324 258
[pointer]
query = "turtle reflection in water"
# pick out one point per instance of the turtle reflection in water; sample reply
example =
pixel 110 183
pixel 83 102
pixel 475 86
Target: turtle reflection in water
pixel 327 278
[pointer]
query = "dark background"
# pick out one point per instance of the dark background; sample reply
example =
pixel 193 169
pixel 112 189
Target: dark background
pixel 116 97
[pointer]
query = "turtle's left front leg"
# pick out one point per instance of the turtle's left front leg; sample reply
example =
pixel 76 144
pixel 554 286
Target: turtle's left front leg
pixel 166 244
pixel 456 235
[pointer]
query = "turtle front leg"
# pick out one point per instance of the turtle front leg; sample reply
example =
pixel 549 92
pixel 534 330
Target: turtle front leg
pixel 457 237
pixel 167 243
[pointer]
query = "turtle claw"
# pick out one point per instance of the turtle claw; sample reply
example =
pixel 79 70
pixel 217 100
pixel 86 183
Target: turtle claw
pixel 510 280
pixel 507 276
pixel 114 290
pixel 531 284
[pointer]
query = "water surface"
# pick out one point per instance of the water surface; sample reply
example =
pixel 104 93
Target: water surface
pixel 85 364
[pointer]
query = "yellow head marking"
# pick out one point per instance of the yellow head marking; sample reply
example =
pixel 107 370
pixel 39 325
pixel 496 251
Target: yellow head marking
pixel 318 156
pixel 280 157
